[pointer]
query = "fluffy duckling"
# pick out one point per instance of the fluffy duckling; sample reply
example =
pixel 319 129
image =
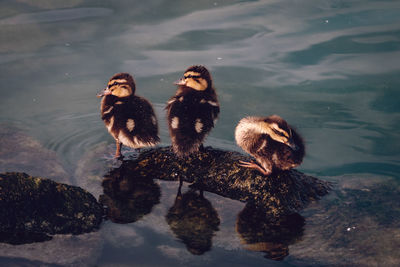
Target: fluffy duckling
pixel 192 111
pixel 130 119
pixel 272 141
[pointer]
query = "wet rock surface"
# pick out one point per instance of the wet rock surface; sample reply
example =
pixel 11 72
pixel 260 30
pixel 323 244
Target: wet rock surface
pixel 218 171
pixel 130 190
pixel 33 209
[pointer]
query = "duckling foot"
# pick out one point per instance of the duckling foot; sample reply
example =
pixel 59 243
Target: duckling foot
pixel 253 165
pixel 119 157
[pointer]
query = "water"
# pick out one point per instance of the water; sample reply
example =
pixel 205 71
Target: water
pixel 330 68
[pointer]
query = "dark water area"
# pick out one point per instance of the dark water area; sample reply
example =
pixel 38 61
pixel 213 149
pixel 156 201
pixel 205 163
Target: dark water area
pixel 330 68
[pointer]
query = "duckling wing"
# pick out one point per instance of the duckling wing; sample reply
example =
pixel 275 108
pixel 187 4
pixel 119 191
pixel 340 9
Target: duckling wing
pixel 190 119
pixel 208 111
pixel 137 123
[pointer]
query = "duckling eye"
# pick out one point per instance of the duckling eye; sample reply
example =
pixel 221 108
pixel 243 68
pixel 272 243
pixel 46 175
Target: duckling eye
pixel 279 133
pixel 192 76
pixel 276 132
pixel 115 83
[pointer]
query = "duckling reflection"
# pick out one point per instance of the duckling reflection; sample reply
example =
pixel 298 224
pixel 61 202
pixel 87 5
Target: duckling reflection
pixel 259 232
pixel 128 197
pixel 193 220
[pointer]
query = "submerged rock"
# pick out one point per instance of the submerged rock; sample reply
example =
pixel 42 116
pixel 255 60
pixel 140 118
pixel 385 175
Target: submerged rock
pixel 92 166
pixel 22 153
pixel 32 209
pixel 218 171
pixel 61 250
pixel 354 226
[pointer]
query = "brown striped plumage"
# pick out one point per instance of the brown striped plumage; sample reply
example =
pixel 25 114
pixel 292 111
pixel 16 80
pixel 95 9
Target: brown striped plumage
pixel 130 119
pixel 192 111
pixel 272 141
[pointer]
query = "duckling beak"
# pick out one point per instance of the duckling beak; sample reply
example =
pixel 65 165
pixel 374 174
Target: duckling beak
pixel 292 145
pixel 106 91
pixel 180 82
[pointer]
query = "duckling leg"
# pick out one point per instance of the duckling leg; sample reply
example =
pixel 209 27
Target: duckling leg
pixel 179 195
pixel 118 150
pixel 253 165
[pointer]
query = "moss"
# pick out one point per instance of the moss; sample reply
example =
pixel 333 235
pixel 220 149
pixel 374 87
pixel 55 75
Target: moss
pixel 218 171
pixel 36 207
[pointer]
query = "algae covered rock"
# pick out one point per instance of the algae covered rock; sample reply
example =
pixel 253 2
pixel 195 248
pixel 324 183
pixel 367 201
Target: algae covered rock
pixel 32 209
pixel 219 172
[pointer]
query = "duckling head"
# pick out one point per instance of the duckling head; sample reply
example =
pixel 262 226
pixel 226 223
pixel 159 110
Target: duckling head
pixel 120 85
pixel 196 77
pixel 279 130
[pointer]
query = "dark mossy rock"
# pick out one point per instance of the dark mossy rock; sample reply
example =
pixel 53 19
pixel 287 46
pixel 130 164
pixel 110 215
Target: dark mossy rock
pixel 218 171
pixel 32 209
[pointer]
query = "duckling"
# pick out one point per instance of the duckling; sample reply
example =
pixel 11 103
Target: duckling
pixel 130 119
pixel 272 141
pixel 192 111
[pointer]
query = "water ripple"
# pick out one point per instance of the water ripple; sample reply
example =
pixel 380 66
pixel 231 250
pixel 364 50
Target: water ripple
pixel 56 15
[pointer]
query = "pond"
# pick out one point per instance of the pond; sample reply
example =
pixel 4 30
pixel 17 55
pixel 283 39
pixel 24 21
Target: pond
pixel 331 68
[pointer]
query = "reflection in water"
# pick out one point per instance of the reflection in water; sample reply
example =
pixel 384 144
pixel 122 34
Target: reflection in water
pixel 270 235
pixel 193 220
pixel 128 196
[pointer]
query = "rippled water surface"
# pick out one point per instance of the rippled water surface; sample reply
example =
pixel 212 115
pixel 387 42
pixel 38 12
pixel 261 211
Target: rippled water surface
pixel 331 68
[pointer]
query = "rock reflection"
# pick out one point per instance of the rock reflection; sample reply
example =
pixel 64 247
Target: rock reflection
pixel 128 197
pixel 193 220
pixel 23 238
pixel 260 232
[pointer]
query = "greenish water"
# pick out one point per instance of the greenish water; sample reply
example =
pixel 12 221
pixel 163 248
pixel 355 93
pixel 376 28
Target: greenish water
pixel 330 68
